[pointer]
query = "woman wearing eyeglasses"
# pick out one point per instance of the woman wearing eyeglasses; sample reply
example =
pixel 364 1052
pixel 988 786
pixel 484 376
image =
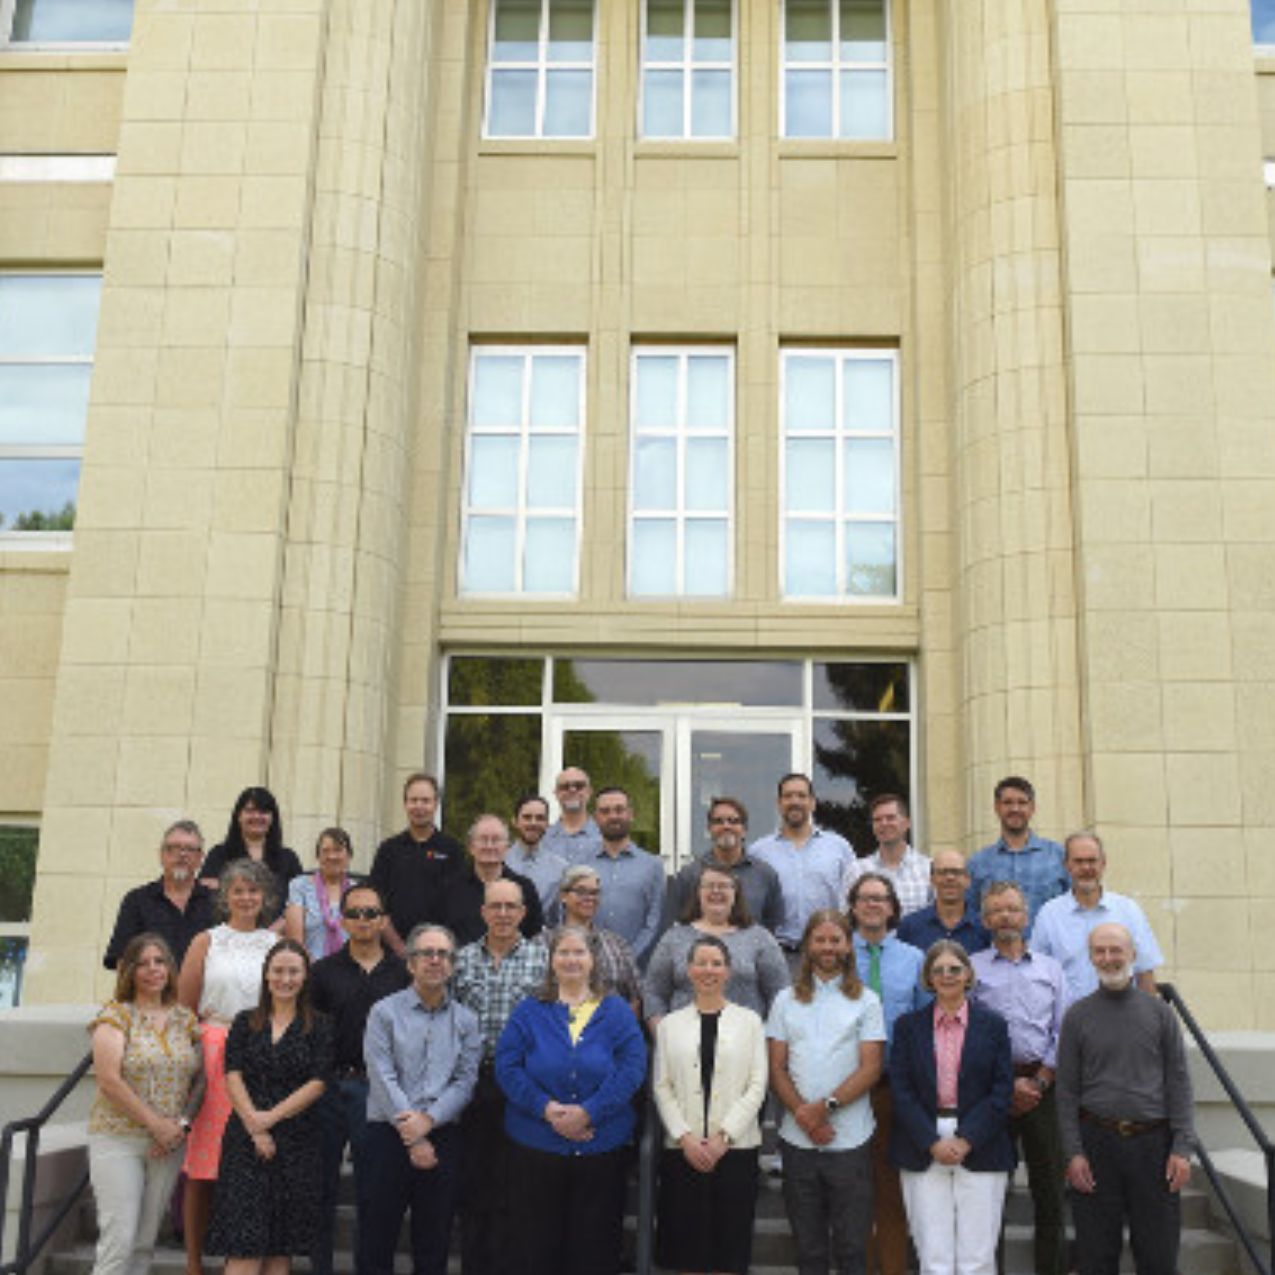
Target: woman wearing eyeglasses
pixel 952 1077
pixel 758 970
pixel 313 915
pixel 579 896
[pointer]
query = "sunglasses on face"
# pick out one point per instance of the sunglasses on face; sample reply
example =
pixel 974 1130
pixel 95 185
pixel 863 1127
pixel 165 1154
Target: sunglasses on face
pixel 362 914
pixel 572 785
pixel 948 971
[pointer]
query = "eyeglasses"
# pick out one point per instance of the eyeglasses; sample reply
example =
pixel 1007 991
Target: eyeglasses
pixel 947 971
pixel 362 914
pixel 570 785
pixel 431 954
pixel 585 892
pixel 872 898
pixel 727 819
pixel 946 872
pixel 170 848
pixel 503 907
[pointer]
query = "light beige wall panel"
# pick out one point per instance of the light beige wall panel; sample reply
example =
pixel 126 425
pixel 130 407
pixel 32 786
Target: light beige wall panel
pixel 53 223
pixel 60 105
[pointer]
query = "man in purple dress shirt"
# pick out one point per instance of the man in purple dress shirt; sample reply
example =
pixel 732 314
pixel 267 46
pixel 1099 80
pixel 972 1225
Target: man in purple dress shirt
pixel 1028 989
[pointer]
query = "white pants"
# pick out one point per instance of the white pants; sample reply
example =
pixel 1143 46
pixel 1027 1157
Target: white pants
pixel 132 1190
pixel 954 1215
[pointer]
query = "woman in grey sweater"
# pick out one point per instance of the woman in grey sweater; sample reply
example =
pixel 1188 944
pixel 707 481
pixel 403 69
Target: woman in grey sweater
pixel 758 970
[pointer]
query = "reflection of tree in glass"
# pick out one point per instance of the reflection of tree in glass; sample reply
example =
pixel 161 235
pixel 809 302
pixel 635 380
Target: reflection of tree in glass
pixel 609 762
pixel 36 520
pixel 12 955
pixel 491 761
pixel 18 847
pixel 856 760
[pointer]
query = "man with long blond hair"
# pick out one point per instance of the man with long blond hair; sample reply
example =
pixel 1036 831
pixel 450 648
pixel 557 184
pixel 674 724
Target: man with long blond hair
pixel 827 1045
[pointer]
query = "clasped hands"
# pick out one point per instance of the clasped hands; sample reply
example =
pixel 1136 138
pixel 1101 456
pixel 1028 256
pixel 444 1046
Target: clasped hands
pixel 951 1150
pixel 569 1120
pixel 702 1154
pixel 414 1128
pixel 166 1136
pixel 259 1124
pixel 812 1120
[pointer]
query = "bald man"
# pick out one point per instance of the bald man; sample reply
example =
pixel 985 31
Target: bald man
pixel 1124 1112
pixel 951 915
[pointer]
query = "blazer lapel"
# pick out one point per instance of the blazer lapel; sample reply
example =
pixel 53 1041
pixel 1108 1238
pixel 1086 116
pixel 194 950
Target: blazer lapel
pixel 928 1064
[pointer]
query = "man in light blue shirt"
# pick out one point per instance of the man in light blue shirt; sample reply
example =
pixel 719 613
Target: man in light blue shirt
pixel 826 1041
pixel 575 836
pixel 1032 863
pixel 633 882
pixel 811 863
pixel 1064 924
pixel 528 855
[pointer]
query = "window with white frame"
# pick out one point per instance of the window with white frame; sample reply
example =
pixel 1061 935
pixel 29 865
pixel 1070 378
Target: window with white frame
pixel 688 69
pixel 683 416
pixel 66 21
pixel 19 847
pixel 540 69
pixel 840 474
pixel 523 455
pixel 48 328
pixel 836 70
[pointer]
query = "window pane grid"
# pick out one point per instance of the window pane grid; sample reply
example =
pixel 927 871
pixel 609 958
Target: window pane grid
pixel 651 522
pixel 656 68
pixel 822 82
pixel 505 541
pixel 549 69
pixel 806 571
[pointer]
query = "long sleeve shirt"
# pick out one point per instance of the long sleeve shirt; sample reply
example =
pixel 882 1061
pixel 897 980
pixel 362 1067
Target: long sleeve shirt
pixel 420 1059
pixel 632 903
pixel 1030 994
pixel 810 876
pixel 1120 1055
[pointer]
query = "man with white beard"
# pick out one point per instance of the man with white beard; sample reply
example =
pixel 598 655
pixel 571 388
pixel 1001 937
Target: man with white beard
pixel 1124 1112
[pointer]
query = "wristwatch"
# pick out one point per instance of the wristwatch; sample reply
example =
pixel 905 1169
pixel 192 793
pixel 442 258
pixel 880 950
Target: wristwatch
pixel 831 1102
pixel 184 1121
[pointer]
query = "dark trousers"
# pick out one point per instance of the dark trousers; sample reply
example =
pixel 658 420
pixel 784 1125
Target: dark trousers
pixel 828 1195
pixel 485 1182
pixel 1129 1173
pixel 888 1247
pixel 1036 1131
pixel 396 1185
pixel 567 1212
pixel 343 1121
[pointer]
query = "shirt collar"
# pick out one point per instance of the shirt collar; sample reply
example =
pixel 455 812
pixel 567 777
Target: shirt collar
pixel 1033 843
pixel 962 1015
pixel 861 942
pixel 1101 905
pixel 419 1004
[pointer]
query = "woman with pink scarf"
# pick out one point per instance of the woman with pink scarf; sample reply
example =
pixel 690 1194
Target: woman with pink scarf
pixel 313 915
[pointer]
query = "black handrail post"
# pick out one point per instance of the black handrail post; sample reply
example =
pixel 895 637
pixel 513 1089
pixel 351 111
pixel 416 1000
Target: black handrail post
pixel 1270 1202
pixel 646 1187
pixel 29 1164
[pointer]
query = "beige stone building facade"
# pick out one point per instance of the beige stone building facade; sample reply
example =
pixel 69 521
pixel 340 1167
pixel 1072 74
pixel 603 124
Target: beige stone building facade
pixel 692 389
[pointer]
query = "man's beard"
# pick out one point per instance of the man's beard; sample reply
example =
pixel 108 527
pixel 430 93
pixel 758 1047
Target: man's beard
pixel 1117 980
pixel 1007 936
pixel 181 875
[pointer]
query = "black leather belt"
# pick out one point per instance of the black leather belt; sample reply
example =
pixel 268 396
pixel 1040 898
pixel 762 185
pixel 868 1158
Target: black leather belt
pixel 1125 1128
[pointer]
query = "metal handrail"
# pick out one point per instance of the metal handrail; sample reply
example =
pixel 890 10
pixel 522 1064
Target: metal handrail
pixel 648 1146
pixel 1174 999
pixel 27 1249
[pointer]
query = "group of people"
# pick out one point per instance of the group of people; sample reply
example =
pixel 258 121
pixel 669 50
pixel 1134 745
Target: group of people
pixel 476 1027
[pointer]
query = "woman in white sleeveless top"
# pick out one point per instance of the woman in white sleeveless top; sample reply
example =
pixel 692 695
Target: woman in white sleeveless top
pixel 221 976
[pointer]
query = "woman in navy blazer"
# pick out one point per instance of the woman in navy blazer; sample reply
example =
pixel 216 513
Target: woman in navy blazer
pixel 952 1076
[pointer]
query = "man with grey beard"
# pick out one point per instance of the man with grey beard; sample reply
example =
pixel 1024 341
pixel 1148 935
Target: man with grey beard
pixel 1124 1111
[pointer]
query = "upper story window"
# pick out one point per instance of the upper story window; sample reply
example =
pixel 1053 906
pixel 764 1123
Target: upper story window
pixel 688 69
pixel 66 21
pixel 48 328
pixel 523 454
pixel 1263 14
pixel 683 410
pixel 836 70
pixel 540 69
pixel 840 479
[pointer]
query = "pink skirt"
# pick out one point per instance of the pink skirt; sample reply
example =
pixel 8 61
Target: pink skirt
pixel 203 1147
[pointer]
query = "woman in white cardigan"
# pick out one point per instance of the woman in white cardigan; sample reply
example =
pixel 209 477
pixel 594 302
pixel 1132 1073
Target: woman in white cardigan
pixel 710 1081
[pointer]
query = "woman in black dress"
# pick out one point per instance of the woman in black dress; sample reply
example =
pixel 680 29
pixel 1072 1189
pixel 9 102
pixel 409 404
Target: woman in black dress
pixel 278 1056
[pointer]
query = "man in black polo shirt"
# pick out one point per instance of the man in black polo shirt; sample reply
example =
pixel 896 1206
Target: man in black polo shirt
pixel 175 906
pixel 345 986
pixel 411 869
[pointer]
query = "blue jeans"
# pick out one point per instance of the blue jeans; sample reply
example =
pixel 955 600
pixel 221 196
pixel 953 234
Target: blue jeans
pixel 343 1119
pixel 394 1186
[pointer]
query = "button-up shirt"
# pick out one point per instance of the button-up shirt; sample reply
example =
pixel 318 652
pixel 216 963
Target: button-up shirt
pixel 901 989
pixel 810 876
pixel 923 928
pixel 632 903
pixel 574 847
pixel 147 909
pixel 343 990
pixel 823 1039
pixel 420 1059
pixel 758 882
pixel 1037 869
pixel 543 868
pixel 949 1041
pixel 910 877
pixel 492 988
pixel 1030 994
pixel 1063 927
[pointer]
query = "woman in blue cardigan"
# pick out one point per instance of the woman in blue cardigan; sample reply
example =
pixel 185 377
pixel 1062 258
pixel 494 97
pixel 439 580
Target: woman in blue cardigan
pixel 952 1076
pixel 569 1061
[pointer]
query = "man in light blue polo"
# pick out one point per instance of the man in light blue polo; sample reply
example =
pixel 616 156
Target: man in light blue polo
pixel 1032 863
pixel 1063 927
pixel 810 861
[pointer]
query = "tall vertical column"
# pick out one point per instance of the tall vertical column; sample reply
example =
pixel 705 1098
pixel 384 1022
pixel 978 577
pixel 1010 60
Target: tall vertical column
pixel 1016 614
pixel 1168 278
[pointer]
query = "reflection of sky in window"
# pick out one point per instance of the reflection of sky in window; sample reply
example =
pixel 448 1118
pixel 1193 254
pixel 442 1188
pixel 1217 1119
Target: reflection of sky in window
pixel 688 681
pixel 43 485
pixel 1264 21
pixel 72 21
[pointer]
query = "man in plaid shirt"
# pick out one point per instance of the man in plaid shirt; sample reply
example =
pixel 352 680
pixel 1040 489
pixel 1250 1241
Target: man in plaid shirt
pixel 492 975
pixel 908 869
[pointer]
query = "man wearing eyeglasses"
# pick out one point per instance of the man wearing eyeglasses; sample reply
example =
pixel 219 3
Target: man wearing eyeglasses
pixel 576 837
pixel 422 1049
pixel 487 845
pixel 493 974
pixel 951 915
pixel 345 986
pixel 759 882
pixel 175 906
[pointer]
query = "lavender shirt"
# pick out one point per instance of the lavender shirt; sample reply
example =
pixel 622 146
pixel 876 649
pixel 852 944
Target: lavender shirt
pixel 1030 994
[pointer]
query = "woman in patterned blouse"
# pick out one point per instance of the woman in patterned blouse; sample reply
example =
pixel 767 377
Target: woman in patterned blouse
pixel 150 1083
